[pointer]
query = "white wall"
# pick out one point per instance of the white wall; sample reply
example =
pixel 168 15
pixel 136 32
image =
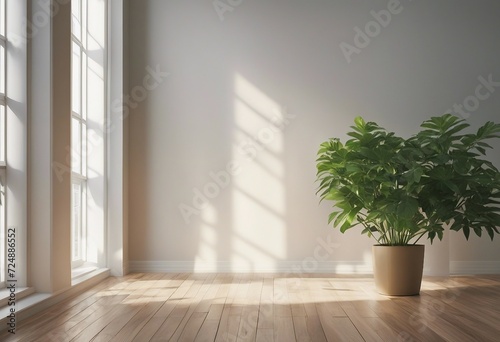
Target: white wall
pixel 16 192
pixel 50 181
pixel 267 60
pixel 117 213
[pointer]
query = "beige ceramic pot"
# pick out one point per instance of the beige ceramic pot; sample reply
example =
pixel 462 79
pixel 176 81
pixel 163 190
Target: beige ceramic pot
pixel 398 269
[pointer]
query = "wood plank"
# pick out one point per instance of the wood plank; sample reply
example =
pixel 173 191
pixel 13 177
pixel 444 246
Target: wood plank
pixel 248 323
pixel 250 313
pixel 296 304
pixel 225 318
pixel 340 329
pixel 256 307
pixel 233 327
pixel 283 329
pixel 208 331
pixel 282 306
pixel 166 330
pixel 137 323
pixel 83 322
pixel 315 329
pixel 118 316
pixel 266 307
pixel 161 316
pixel 193 298
pixel 79 306
pixel 301 331
pixel 192 327
pixel 265 335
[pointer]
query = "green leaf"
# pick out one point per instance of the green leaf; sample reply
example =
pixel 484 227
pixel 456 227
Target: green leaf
pixel 466 231
pixel 461 167
pixel 407 187
pixel 359 122
pixel 491 232
pixel 345 226
pixel 417 174
pixel 452 186
pixel 478 231
pixel 356 135
pixel 457 128
pixel 353 213
pixel 332 216
pixel 407 208
pixel 341 218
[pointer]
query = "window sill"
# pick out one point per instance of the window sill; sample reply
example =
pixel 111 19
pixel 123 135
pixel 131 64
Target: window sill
pixel 21 292
pixel 32 302
pixel 81 273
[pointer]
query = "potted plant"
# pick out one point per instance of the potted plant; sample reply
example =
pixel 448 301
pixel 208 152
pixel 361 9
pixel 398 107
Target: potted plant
pixel 400 190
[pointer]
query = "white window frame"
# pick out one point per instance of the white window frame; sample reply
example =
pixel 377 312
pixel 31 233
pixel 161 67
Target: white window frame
pixel 3 125
pixel 79 177
pixel 3 231
pixel 83 236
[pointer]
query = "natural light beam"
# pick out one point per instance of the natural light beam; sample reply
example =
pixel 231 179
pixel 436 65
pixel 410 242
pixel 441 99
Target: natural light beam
pixel 206 259
pixel 258 191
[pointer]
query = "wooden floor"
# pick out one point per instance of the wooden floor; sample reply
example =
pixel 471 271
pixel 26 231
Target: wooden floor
pixel 263 307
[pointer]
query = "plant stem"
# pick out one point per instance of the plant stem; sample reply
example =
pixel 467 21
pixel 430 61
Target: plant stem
pixel 422 234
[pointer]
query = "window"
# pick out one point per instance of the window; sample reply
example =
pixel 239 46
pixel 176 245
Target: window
pixel 3 71
pixel 87 134
pixel 2 231
pixel 78 134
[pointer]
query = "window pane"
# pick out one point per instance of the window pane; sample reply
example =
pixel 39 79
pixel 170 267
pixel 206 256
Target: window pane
pixel 76 220
pixel 96 24
pixel 88 108
pixel 76 146
pixel 84 150
pixel 2 67
pixel 84 24
pixel 2 17
pixel 2 133
pixel 76 80
pixel 2 227
pixel 76 19
pixel 84 85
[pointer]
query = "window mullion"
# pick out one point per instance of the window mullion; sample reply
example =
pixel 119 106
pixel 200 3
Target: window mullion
pixel 80 247
pixel 81 77
pixel 77 41
pixel 78 117
pixel 3 125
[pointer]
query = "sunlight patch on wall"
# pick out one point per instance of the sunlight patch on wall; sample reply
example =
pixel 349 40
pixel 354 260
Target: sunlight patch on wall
pixel 207 255
pixel 258 194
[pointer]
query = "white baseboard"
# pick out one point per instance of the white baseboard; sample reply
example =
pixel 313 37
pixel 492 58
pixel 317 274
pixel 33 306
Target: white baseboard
pixel 297 267
pixel 335 267
pixel 474 267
